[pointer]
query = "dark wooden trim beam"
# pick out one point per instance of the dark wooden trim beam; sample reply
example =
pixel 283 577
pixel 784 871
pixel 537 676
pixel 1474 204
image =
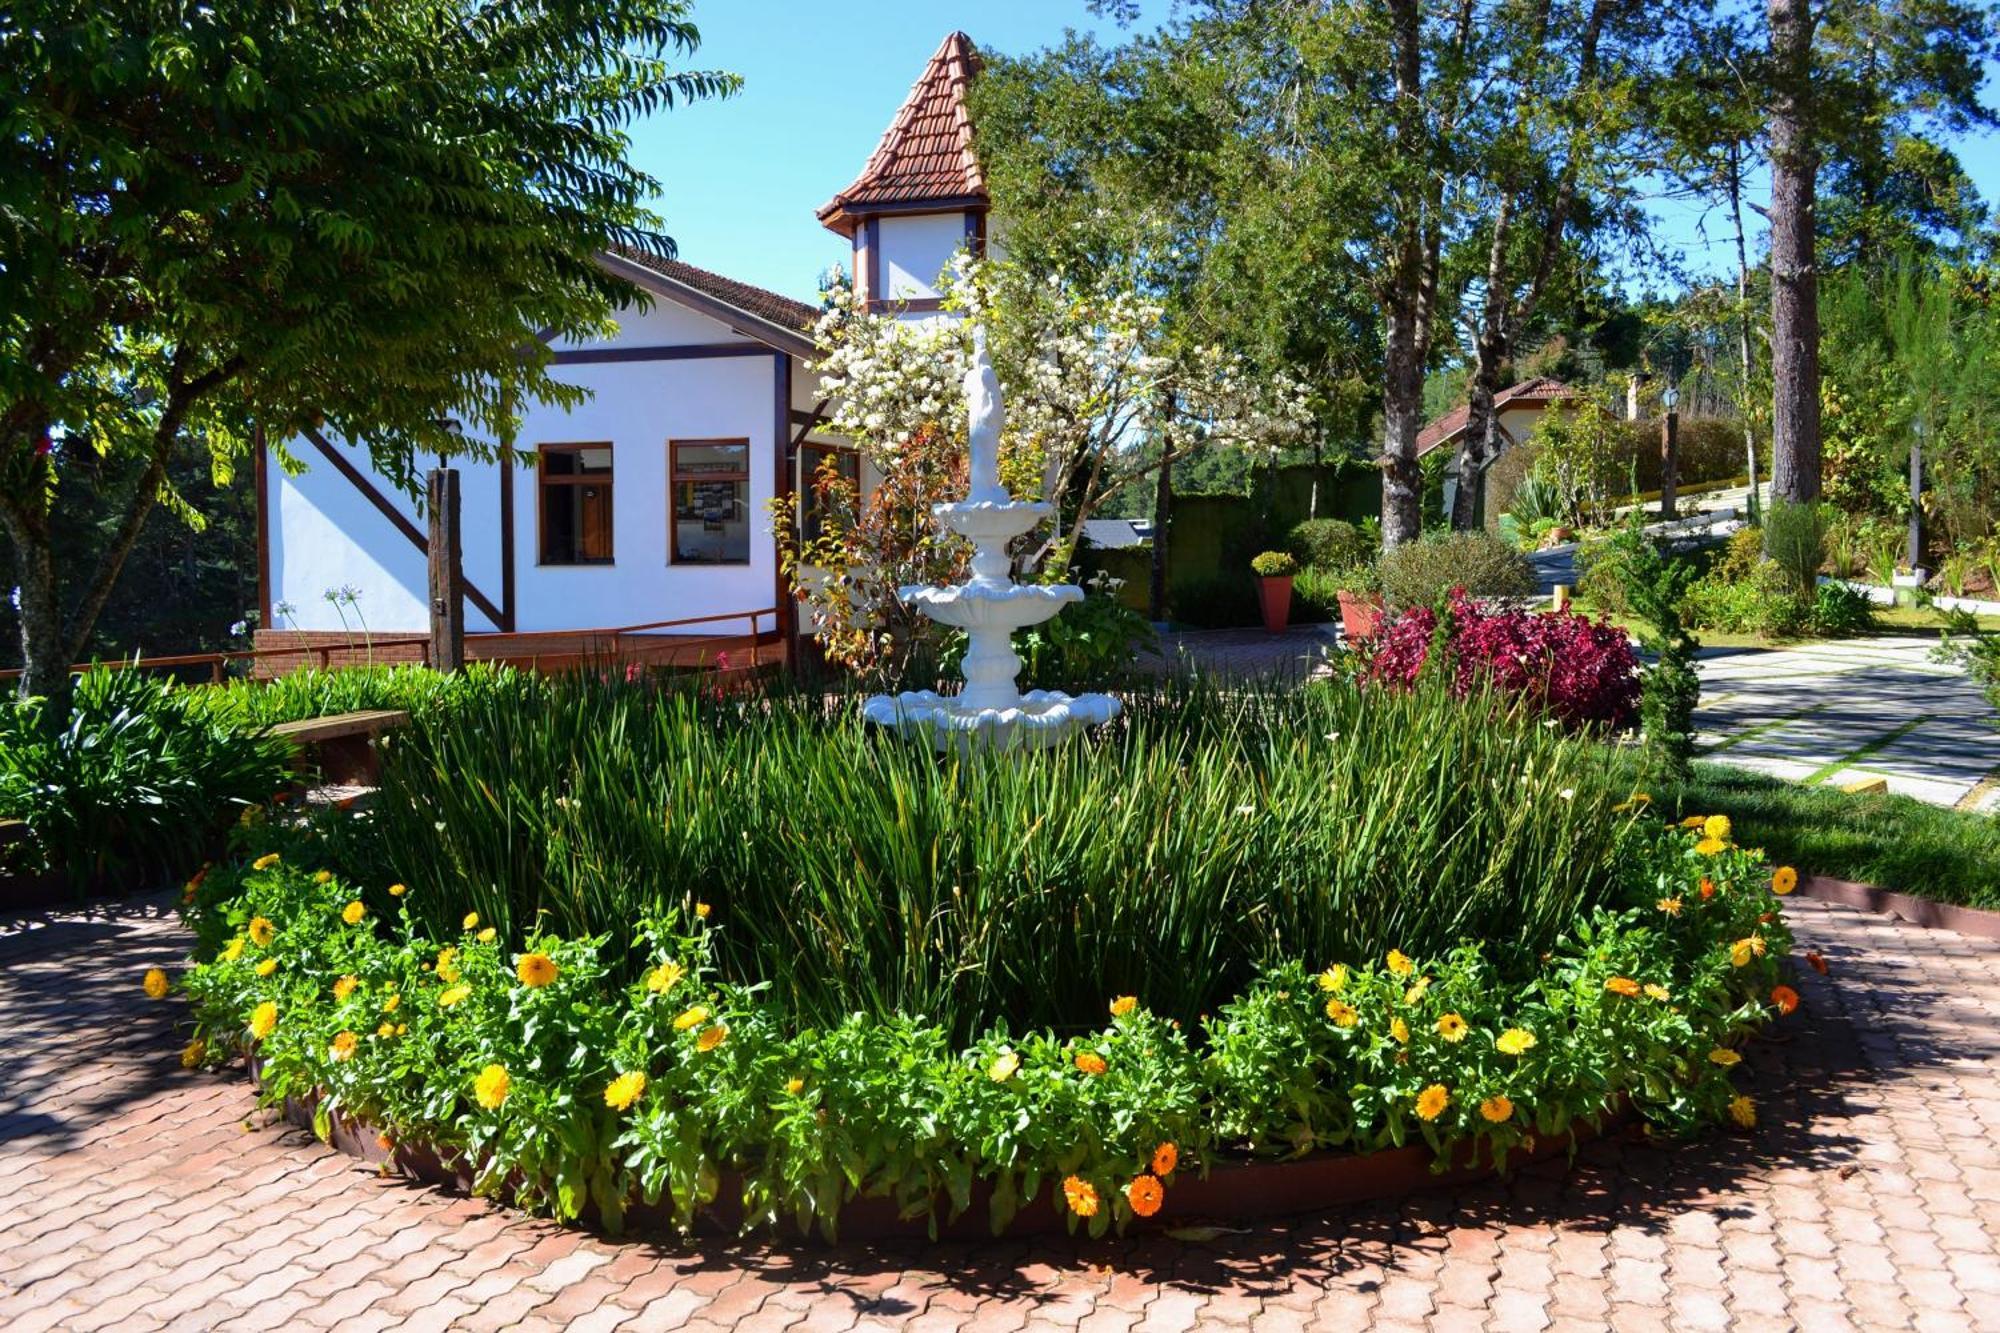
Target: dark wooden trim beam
pixel 944 203
pixel 359 480
pixel 507 469
pixel 911 305
pixel 592 356
pixel 871 291
pixel 774 336
pixel 808 422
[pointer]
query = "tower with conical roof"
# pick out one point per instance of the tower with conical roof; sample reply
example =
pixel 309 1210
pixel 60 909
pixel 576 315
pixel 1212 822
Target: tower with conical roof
pixel 921 196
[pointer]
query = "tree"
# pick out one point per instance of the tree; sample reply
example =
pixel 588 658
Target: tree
pixel 1795 151
pixel 242 214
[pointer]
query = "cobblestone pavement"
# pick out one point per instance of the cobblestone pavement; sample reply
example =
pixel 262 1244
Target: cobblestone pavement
pixel 134 1195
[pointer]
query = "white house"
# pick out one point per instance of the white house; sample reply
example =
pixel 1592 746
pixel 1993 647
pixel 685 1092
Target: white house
pixel 647 503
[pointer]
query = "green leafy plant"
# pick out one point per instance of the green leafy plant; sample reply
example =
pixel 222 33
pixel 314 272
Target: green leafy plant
pixel 1419 573
pixel 1330 544
pixel 1273 565
pixel 1795 541
pixel 1655 589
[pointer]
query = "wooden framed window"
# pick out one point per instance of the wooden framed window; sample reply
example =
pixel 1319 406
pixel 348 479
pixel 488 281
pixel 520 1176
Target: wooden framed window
pixel 573 503
pixel 708 502
pixel 814 461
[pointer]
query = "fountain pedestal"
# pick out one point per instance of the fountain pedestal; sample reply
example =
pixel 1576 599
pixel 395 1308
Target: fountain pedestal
pixel 991 709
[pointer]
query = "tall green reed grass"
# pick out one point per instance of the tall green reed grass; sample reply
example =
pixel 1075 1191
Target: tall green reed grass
pixel 1203 835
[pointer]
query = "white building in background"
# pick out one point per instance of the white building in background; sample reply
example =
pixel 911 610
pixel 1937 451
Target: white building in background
pixel 648 502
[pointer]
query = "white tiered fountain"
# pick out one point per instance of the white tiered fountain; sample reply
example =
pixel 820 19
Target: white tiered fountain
pixel 990 710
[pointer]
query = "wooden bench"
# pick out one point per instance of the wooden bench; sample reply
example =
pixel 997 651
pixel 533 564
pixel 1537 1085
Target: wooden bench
pixel 340 745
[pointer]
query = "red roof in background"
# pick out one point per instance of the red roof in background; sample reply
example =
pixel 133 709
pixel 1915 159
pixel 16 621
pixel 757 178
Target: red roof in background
pixel 926 154
pixel 1448 426
pixel 759 301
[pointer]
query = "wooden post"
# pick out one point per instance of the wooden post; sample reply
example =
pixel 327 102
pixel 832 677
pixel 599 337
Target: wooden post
pixel 1670 462
pixel 447 647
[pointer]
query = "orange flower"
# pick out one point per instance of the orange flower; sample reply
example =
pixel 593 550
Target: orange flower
pixel 1707 888
pixel 1124 1005
pixel 1090 1062
pixel 1081 1196
pixel 1622 986
pixel 344 988
pixel 1785 998
pixel 1816 960
pixel 711 1037
pixel 1432 1101
pixel 343 1047
pixel 1783 880
pixel 156 984
pixel 535 969
pixel 1165 1158
pixel 1496 1110
pixel 1743 1111
pixel 1145 1194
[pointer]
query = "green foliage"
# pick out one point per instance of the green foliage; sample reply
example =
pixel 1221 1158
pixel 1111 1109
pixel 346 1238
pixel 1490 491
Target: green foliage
pixel 1273 565
pixel 1330 544
pixel 569 1080
pixel 1205 833
pixel 1795 541
pixel 1764 603
pixel 133 780
pixel 1092 644
pixel 1655 590
pixel 246 704
pixel 1418 573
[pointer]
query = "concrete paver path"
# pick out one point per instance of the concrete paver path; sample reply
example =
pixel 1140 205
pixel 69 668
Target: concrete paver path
pixel 134 1195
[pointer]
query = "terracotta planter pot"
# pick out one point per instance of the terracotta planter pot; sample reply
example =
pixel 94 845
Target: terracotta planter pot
pixel 1360 616
pixel 1274 599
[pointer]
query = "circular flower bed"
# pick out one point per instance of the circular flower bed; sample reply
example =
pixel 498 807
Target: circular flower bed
pixel 574 1091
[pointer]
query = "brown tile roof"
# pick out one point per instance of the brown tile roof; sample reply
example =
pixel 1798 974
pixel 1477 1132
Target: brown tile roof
pixel 1446 428
pixel 764 304
pixel 926 153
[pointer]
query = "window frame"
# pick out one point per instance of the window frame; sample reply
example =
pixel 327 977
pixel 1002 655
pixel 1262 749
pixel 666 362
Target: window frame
pixel 544 481
pixel 673 501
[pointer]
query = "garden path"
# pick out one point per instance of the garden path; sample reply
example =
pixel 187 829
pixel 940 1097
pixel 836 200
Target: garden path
pixel 135 1195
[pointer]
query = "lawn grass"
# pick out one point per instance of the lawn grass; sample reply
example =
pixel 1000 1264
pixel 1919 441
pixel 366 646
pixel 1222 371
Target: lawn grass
pixel 1890 622
pixel 1893 841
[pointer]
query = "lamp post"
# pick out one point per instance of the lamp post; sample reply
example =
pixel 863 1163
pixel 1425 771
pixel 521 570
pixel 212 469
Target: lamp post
pixel 1916 551
pixel 1669 451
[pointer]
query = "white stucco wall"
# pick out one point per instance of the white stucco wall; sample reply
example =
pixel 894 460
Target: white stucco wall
pixel 915 250
pixel 326 534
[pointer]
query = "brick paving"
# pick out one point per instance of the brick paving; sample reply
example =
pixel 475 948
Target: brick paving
pixel 135 1195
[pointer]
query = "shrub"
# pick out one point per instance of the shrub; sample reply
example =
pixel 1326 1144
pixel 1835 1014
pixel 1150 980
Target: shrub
pixel 1273 565
pixel 1741 555
pixel 1330 544
pixel 1579 671
pixel 1419 573
pixel 1763 603
pixel 565 1087
pixel 1316 592
pixel 133 780
pixel 1795 540
pixel 321 693
pixel 1655 588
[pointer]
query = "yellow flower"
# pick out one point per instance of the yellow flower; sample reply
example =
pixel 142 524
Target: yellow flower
pixel 1514 1041
pixel 266 861
pixel 194 1053
pixel 1496 1109
pixel 454 995
pixel 711 1038
pixel 389 1005
pixel 1432 1101
pixel 1622 986
pixel 1638 800
pixel 323 877
pixel 156 983
pixel 1400 1031
pixel 471 921
pixel 1452 1027
pixel 343 1046
pixel 1743 1111
pixel 353 913
pixel 1711 846
pixel 702 910
pixel 397 890
pixel 1081 1196
pixel 263 1019
pixel 535 969
pixel 622 1091
pixel 262 932
pixel 1783 880
pixel 1716 827
pixel 1694 821
pixel 795 1086
pixel 386 1030
pixel 1124 1005
pixel 344 988
pixel 1741 952
pixel 691 1018
pixel 1400 964
pixel 1334 978
pixel 1341 1012
pixel 267 967
pixel 447 965
pixel 1416 992
pixel 492 1086
pixel 1725 1057
pixel 232 950
pixel 663 978
pixel 1004 1066
pixel 1655 991
pixel 488 935
pixel 1090 1062
pixel 1671 906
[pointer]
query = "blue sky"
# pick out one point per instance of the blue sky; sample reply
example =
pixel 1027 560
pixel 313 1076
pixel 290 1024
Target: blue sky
pixel 742 177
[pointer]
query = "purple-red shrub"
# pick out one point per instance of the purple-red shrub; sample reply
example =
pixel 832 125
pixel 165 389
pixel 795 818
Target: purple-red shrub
pixel 1581 671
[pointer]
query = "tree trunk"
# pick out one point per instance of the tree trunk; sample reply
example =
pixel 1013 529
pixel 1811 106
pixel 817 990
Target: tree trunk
pixel 1795 443
pixel 46 670
pixel 1402 412
pixel 1743 325
pixel 1410 285
pixel 1163 517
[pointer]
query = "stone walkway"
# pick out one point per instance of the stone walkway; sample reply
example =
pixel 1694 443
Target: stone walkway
pixel 134 1195
pixel 1850 711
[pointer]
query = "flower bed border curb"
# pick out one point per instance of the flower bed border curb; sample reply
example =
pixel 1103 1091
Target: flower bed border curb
pixel 1230 1192
pixel 1928 913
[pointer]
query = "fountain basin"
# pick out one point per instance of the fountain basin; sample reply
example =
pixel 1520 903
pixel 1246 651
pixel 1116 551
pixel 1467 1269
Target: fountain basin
pixel 1002 606
pixel 1042 719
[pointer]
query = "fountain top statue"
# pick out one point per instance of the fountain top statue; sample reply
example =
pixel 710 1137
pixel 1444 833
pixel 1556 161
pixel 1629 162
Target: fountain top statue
pixel 991 710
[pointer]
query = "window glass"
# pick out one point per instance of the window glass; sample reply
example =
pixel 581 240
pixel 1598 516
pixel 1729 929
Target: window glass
pixel 711 502
pixel 575 504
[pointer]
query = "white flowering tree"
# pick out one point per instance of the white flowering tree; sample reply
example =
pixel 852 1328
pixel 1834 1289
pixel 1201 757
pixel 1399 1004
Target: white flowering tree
pixel 1098 392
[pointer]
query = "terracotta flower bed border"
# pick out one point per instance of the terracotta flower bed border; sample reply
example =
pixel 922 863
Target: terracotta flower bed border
pixel 1232 1191
pixel 1974 921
